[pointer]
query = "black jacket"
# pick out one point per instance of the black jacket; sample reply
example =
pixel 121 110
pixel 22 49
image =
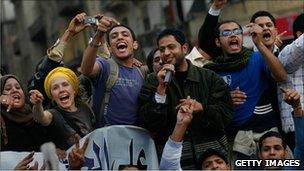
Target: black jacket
pixel 201 84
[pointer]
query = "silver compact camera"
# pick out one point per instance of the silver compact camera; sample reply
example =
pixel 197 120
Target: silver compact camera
pixel 90 20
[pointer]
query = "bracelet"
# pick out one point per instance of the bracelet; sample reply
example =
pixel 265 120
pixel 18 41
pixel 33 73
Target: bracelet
pixel 91 43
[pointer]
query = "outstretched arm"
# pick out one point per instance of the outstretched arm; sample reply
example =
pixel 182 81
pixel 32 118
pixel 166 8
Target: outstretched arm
pixel 89 66
pixel 41 116
pixel 55 54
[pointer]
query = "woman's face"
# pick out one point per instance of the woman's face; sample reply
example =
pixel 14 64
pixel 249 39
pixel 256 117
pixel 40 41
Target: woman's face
pixel 13 89
pixel 63 93
pixel 157 61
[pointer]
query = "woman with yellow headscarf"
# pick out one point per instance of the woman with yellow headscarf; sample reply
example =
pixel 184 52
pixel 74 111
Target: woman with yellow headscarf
pixel 70 116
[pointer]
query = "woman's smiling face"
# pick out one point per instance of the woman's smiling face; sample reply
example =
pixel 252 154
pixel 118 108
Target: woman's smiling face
pixel 63 93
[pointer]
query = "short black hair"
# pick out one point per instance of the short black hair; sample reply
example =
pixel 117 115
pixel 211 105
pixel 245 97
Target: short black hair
pixel 120 25
pixel 217 28
pixel 298 25
pixel 150 58
pixel 210 152
pixel 177 34
pixel 263 14
pixel 271 134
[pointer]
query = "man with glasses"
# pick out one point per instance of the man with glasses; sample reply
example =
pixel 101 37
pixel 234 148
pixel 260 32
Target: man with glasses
pixel 247 73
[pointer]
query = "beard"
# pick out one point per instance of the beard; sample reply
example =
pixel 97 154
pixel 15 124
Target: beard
pixel 179 61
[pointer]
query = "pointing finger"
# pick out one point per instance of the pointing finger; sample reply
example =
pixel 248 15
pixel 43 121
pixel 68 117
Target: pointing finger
pixel 281 34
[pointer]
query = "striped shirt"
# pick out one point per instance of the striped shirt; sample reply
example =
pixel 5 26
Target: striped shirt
pixel 292 58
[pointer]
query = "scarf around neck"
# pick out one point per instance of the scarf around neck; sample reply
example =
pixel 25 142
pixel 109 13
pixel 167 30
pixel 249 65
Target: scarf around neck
pixel 23 117
pixel 233 63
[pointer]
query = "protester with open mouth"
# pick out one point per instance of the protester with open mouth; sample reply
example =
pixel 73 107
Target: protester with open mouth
pixel 71 116
pixel 247 73
pixel 19 132
pixel 116 81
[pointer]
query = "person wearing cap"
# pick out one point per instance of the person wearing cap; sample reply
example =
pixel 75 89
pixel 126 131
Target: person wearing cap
pixel 71 115
pixel 18 131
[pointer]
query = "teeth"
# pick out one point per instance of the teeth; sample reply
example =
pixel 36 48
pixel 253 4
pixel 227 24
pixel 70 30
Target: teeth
pixel 16 97
pixel 121 44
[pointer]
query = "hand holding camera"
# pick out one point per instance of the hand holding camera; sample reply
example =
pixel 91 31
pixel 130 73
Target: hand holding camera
pixel 104 24
pixel 77 24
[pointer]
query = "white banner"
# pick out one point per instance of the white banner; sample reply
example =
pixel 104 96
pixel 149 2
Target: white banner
pixel 109 148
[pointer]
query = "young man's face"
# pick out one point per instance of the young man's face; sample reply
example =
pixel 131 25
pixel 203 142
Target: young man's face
pixel 172 52
pixel 272 148
pixel 121 42
pixel 214 162
pixel 269 30
pixel 230 38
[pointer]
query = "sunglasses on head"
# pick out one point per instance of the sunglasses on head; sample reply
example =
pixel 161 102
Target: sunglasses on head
pixel 236 31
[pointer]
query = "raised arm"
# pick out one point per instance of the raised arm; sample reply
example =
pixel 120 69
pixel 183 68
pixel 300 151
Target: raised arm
pixel 173 149
pixel 275 66
pixel 55 53
pixel 206 37
pixel 292 56
pixel 41 116
pixel 89 66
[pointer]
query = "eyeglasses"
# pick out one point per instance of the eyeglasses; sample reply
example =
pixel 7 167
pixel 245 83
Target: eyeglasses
pixel 236 31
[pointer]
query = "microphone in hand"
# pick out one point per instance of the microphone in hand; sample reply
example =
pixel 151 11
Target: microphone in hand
pixel 169 75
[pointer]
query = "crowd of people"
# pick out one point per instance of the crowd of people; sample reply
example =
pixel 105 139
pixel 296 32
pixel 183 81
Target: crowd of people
pixel 205 109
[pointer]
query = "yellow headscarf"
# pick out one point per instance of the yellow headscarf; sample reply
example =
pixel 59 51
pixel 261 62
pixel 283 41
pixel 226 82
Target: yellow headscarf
pixel 68 74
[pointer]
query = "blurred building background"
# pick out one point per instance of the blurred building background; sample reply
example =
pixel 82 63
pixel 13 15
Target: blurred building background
pixel 29 27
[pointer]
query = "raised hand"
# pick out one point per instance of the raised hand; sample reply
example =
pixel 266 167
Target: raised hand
pixel 278 41
pixel 36 97
pixel 256 32
pixel 184 114
pixel 7 101
pixel 218 4
pixel 197 106
pixel 238 97
pixel 77 24
pixel 76 156
pixel 291 97
pixel 105 23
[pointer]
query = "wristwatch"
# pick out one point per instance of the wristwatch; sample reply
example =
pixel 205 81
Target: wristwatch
pixel 92 44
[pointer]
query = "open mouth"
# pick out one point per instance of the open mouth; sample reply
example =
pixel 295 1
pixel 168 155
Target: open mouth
pixel 64 98
pixel 266 36
pixel 121 47
pixel 16 97
pixel 234 44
